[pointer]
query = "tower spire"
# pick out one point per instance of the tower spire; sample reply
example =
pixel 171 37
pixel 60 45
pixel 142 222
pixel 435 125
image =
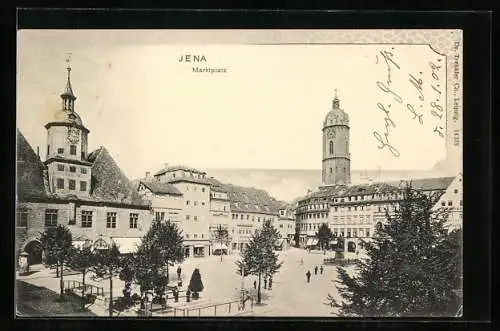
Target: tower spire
pixel 336 102
pixel 67 96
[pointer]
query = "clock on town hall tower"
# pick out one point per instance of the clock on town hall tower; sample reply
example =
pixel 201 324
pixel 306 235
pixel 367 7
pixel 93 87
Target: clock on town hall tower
pixel 67 165
pixel 336 160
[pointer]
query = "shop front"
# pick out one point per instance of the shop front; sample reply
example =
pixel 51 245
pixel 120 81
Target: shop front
pixel 311 243
pixel 199 250
pixel 219 249
pixel 195 248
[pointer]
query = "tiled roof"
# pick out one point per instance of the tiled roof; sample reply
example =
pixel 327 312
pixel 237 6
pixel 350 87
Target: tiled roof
pixel 218 189
pixel 30 171
pixel 216 185
pixel 428 184
pixel 367 189
pixel 202 181
pixel 179 167
pixel 109 183
pixel 161 188
pixel 425 184
pixel 251 200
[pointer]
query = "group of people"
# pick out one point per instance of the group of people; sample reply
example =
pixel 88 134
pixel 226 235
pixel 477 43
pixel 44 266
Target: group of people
pixel 308 273
pixel 267 284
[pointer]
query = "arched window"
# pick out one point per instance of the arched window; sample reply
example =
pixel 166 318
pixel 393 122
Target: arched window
pixel 351 247
pixel 331 147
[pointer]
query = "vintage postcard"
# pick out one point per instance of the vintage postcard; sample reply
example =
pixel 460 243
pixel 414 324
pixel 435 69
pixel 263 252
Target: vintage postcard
pixel 235 173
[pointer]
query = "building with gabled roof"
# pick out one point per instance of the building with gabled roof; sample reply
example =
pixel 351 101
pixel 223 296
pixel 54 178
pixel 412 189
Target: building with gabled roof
pixel 207 204
pixel 87 192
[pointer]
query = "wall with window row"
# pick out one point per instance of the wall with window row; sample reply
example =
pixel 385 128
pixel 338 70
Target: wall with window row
pixel 85 221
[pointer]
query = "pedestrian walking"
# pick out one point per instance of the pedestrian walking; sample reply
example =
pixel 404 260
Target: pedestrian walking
pixel 255 284
pixel 179 279
pixel 321 270
pixel 301 261
pixel 270 282
pixel 265 283
pixel 308 275
pixel 316 270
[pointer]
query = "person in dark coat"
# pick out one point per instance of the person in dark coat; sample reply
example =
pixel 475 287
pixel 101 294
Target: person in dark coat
pixel 179 270
pixel 270 283
pixel 265 283
pixel 255 284
pixel 316 270
pixel 321 270
pixel 308 275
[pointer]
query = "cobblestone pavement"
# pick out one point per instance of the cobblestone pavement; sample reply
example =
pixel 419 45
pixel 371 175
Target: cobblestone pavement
pixel 291 295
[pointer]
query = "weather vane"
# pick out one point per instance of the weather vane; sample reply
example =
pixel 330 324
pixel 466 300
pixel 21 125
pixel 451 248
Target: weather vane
pixel 68 62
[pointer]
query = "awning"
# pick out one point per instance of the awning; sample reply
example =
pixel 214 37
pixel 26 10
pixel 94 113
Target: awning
pixel 333 242
pixel 198 246
pixel 127 245
pixel 219 246
pixel 100 244
pixel 78 244
pixel 312 242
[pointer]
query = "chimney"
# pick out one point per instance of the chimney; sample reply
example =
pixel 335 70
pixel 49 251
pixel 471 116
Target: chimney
pixel 38 151
pixel 147 174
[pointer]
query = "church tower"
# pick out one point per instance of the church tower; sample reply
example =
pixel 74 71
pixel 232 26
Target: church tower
pixel 336 168
pixel 68 169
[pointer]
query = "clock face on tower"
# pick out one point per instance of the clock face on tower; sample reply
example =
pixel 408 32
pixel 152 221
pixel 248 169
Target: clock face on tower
pixel 73 135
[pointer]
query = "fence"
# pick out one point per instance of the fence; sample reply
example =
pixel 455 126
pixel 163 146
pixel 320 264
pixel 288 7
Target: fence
pixel 219 309
pixel 89 289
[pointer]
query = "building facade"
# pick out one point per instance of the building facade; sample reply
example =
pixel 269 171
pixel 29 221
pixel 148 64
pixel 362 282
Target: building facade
pixel 354 211
pixel 204 205
pixel 87 192
pixel 286 227
pixel 195 201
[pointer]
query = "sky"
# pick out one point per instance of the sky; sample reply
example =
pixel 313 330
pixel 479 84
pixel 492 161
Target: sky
pixel 265 112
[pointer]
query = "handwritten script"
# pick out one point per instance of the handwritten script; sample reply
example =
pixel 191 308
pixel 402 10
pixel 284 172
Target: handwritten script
pixel 414 103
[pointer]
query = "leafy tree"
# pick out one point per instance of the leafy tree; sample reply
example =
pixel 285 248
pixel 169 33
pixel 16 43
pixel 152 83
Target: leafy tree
pixel 160 247
pixel 57 244
pixel 259 258
pixel 108 263
pixel 412 266
pixel 81 260
pixel 195 284
pixel 222 236
pixel 324 235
